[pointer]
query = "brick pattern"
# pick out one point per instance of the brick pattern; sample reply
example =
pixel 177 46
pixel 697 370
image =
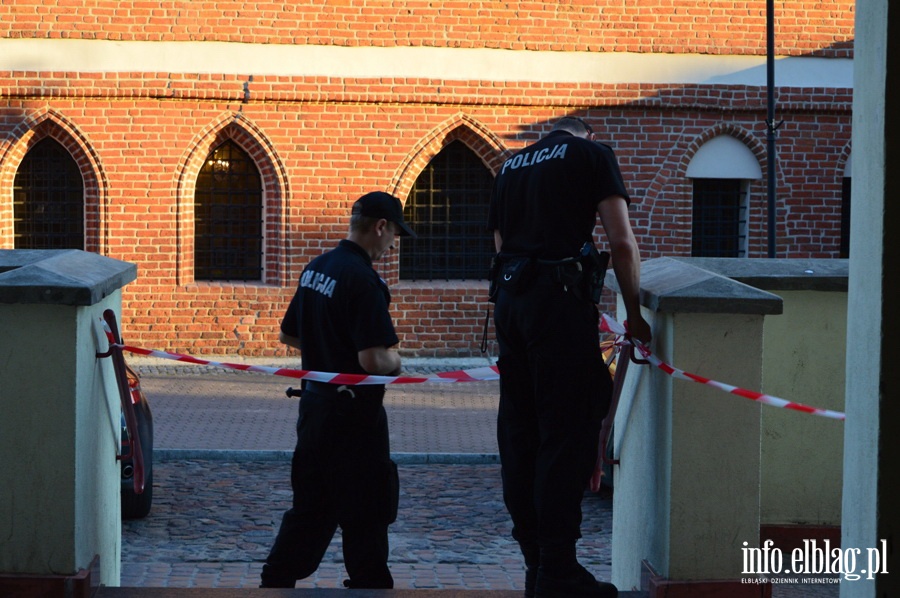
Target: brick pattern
pixel 140 138
pixel 661 26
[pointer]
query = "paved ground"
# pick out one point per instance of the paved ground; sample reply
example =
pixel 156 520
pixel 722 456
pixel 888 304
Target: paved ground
pixel 213 522
pixel 221 481
pixel 247 411
pixel 223 440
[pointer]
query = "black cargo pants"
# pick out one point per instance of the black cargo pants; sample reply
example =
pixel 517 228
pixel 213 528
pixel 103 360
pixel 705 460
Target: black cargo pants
pixel 341 476
pixel 555 391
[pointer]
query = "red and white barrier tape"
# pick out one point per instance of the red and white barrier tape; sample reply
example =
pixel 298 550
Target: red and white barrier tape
pixel 472 375
pixel 609 324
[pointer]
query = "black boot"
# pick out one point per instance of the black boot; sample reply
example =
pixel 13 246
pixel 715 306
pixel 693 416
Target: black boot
pixel 532 555
pixel 575 582
pixel 530 582
pixel 273 581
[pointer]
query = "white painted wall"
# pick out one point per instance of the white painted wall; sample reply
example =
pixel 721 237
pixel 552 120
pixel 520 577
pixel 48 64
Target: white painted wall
pixel 864 472
pixel 69 55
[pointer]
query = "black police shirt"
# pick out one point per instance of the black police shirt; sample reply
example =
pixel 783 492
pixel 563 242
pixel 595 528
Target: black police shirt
pixel 339 309
pixel 544 201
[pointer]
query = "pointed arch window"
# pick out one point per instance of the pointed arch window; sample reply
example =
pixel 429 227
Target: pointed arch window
pixel 228 217
pixel 48 199
pixel 448 209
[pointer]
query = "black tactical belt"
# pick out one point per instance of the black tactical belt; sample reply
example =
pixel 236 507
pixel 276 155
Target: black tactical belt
pixel 566 271
pixel 328 390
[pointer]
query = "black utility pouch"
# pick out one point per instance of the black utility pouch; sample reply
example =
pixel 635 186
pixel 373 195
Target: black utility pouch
pixel 594 263
pixel 515 274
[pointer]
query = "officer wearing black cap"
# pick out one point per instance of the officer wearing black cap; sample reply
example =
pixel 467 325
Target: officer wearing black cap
pixel 554 387
pixel 342 473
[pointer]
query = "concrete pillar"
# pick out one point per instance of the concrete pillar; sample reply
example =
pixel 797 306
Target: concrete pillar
pixel 59 423
pixel 871 450
pixel 687 487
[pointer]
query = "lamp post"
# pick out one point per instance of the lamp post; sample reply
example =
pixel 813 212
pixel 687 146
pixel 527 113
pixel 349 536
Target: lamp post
pixel 771 127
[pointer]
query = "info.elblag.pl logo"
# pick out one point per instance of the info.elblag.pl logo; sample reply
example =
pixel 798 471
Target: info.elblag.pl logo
pixel 813 559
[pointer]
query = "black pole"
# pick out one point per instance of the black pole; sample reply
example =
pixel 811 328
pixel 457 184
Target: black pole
pixel 770 119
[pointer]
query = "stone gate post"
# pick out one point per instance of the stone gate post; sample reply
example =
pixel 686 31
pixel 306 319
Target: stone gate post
pixel 687 490
pixel 60 522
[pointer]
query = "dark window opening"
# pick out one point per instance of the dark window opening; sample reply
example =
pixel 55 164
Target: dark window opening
pixel 48 199
pixel 448 209
pixel 720 218
pixel 228 217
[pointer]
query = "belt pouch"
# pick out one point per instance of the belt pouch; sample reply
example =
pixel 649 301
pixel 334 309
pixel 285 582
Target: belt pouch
pixel 595 263
pixel 515 274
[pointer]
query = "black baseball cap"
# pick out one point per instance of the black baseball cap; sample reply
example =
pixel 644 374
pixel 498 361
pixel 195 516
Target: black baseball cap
pixel 379 204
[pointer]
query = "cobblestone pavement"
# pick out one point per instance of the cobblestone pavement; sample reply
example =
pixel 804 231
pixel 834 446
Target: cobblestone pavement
pixel 213 523
pixel 213 520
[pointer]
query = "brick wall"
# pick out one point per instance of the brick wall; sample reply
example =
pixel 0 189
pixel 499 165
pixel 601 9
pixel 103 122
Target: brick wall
pixel 662 26
pixel 140 138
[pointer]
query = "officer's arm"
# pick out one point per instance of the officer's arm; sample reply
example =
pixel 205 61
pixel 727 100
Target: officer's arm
pixel 291 341
pixel 498 241
pixel 626 259
pixel 380 361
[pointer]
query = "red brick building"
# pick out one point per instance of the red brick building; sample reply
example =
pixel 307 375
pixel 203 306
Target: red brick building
pixel 218 145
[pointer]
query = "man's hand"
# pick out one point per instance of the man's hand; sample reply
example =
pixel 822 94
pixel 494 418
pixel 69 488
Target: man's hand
pixel 639 329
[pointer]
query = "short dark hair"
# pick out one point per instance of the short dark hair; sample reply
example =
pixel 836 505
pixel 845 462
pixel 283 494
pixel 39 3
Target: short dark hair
pixel 361 223
pixel 573 124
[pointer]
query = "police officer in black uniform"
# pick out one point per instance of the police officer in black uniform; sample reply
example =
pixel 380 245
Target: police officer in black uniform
pixel 342 473
pixel 554 387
